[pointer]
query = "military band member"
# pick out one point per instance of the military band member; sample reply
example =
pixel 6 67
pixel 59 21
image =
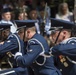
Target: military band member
pixel 64 50
pixel 12 43
pixel 34 56
pixel 6 15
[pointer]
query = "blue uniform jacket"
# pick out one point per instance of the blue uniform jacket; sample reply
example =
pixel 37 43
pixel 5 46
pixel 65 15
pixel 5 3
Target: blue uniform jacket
pixel 34 59
pixel 11 44
pixel 68 48
pixel 65 56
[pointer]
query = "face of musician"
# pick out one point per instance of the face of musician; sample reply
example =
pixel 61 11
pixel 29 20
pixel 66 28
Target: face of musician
pixel 5 34
pixel 6 16
pixel 30 32
pixel 26 34
pixel 63 35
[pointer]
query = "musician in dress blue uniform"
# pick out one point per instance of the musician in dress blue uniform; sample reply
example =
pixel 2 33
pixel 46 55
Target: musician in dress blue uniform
pixel 34 57
pixel 6 18
pixel 12 43
pixel 64 50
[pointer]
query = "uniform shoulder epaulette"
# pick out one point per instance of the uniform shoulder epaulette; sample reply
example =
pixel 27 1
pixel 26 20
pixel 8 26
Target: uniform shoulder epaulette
pixel 10 36
pixel 33 42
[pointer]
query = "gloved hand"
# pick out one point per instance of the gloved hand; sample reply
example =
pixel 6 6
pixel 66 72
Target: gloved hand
pixel 17 54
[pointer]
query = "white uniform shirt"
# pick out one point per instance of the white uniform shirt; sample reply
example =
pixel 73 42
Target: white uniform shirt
pixel 13 28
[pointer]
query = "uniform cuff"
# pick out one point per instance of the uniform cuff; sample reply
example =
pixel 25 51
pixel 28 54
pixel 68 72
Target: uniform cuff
pixel 17 54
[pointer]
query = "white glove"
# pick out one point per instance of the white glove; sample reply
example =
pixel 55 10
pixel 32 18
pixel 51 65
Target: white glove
pixel 18 54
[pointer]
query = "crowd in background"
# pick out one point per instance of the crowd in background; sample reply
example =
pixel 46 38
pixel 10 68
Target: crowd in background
pixel 18 6
pixel 23 10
